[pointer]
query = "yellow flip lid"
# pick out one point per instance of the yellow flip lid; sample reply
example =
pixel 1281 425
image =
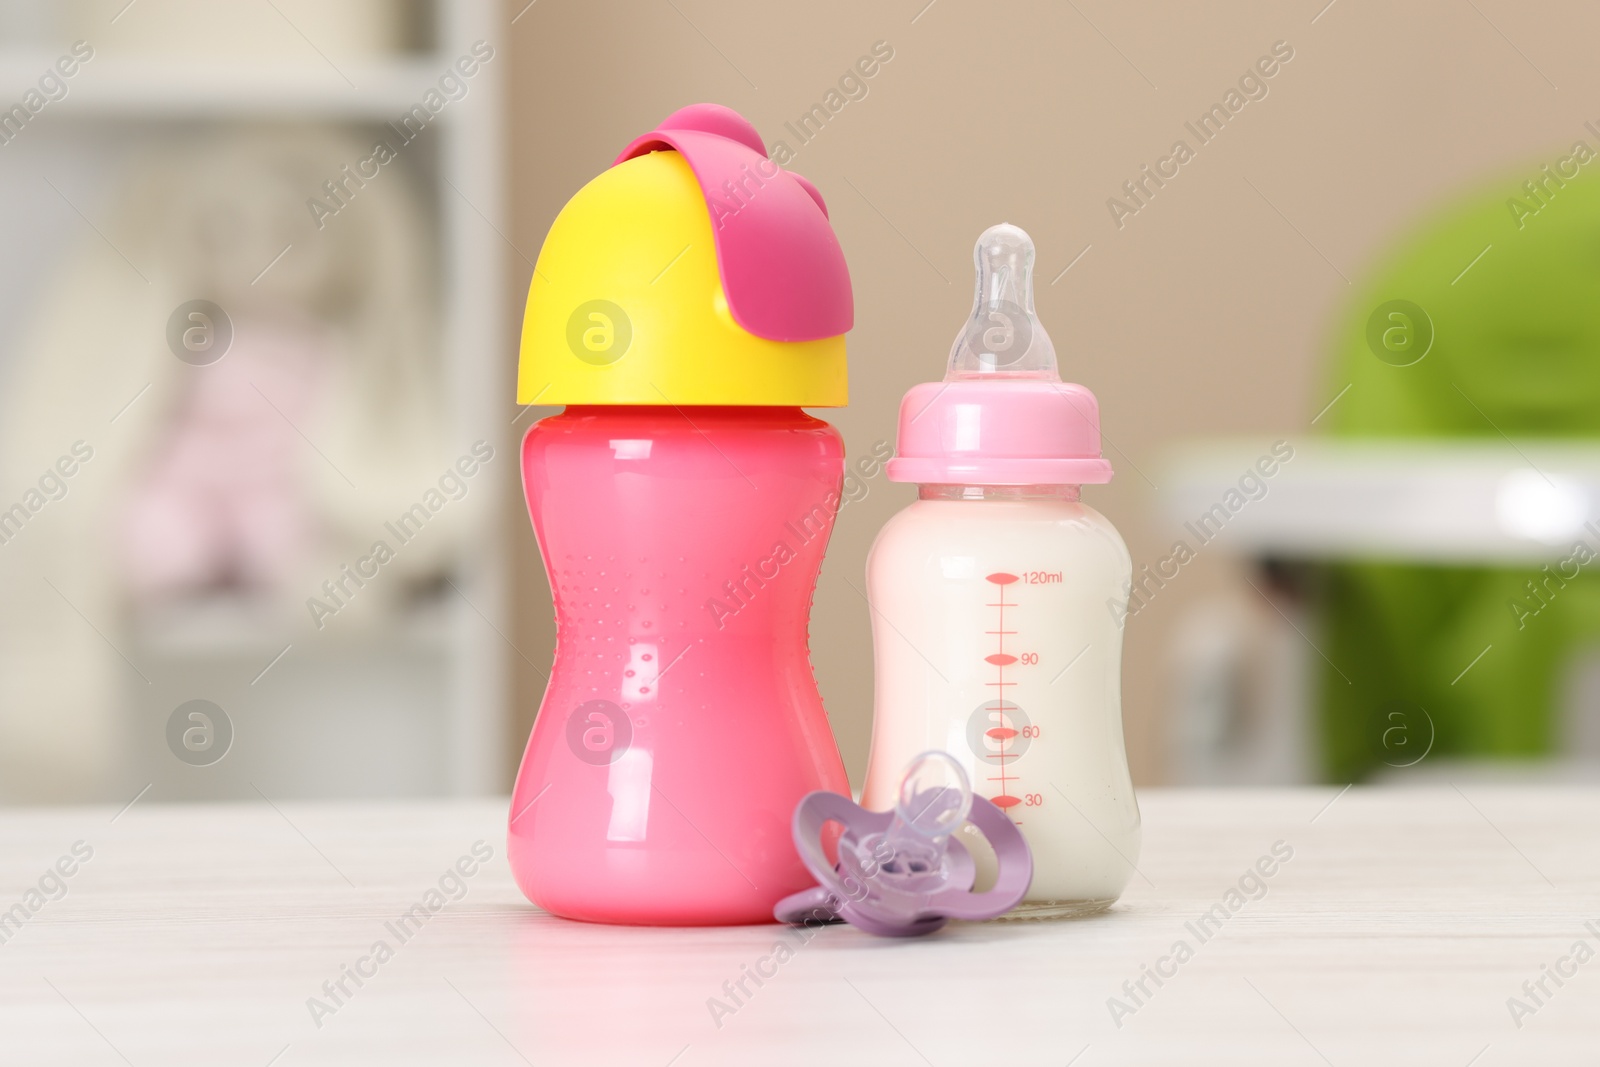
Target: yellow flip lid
pixel 629 301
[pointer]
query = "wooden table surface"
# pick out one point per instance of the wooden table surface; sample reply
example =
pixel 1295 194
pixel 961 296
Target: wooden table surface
pixel 1397 933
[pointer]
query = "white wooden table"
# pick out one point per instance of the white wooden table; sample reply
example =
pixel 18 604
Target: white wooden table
pixel 1395 935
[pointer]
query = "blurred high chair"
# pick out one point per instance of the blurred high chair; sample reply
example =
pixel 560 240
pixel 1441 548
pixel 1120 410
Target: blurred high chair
pixel 1440 589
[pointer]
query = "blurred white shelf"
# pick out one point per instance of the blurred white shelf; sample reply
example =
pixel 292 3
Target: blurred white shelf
pixel 232 626
pixel 161 88
pixel 1483 502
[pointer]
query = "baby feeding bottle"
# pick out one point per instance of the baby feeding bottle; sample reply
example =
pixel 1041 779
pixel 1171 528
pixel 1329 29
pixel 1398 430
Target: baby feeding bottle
pixel 996 598
pixel 687 303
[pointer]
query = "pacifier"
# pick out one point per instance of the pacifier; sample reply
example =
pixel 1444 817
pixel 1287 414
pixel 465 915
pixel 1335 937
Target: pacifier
pixel 900 873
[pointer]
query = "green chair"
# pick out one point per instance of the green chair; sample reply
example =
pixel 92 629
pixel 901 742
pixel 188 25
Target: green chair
pixel 1511 285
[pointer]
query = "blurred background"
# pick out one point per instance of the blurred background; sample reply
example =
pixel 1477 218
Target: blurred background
pixel 262 273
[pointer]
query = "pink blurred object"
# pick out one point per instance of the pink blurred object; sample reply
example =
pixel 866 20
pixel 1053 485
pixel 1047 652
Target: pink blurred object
pixel 681 723
pixel 222 503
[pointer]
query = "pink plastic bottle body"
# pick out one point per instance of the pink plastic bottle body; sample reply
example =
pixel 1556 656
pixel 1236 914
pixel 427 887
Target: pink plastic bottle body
pixel 681 723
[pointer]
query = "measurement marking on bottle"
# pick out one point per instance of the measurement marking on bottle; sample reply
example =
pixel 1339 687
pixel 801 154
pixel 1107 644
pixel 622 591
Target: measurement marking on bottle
pixel 1000 659
pixel 999 733
pixel 998 730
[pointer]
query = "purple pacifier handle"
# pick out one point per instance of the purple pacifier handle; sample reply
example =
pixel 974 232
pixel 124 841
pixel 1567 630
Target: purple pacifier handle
pixel 891 902
pixel 807 906
pixel 1015 873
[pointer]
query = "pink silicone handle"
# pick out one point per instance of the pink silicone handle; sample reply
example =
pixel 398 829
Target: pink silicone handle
pixel 782 268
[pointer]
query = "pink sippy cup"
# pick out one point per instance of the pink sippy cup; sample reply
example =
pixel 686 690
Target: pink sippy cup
pixel 686 304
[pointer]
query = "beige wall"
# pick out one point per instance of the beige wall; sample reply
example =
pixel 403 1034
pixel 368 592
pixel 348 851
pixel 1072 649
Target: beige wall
pixel 1203 315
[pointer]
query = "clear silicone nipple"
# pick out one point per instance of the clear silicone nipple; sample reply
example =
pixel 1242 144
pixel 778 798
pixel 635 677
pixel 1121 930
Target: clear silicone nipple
pixel 1003 337
pixel 935 799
